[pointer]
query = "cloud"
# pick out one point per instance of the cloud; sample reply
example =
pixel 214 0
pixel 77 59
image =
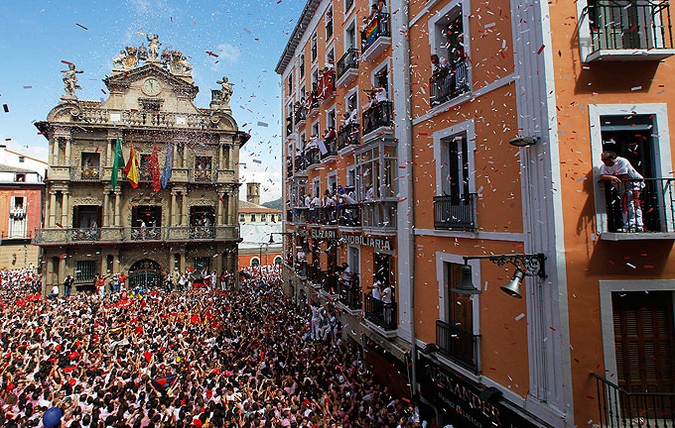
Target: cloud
pixel 228 52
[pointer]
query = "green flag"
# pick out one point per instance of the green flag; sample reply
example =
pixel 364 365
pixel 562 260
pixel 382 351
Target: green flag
pixel 117 163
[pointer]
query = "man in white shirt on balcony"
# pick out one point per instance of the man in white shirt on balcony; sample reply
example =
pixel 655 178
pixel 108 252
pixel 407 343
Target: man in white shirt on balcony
pixel 621 173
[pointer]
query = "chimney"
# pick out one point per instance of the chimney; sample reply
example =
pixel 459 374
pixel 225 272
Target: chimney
pixel 253 193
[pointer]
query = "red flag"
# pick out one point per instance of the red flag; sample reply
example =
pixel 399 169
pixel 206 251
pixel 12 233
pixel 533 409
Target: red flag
pixel 154 168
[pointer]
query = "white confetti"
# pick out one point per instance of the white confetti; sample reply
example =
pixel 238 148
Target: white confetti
pixel 520 317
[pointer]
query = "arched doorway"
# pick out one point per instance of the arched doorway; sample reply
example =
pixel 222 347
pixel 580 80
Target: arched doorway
pixel 145 273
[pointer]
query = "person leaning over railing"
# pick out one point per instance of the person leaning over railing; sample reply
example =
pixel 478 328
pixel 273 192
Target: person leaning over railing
pixel 619 171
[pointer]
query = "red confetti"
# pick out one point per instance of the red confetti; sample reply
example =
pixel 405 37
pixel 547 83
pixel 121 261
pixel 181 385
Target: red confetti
pixel 541 49
pixel 212 54
pixel 66 62
pixel 81 26
pixel 6 108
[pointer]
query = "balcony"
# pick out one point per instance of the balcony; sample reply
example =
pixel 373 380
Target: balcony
pixel 458 345
pixel 348 136
pixel 377 116
pixel 289 167
pixel 314 216
pixel 314 273
pixel 656 202
pixel 201 175
pixel 348 67
pixel 330 144
pixel 349 215
pixel 455 213
pixel 381 314
pixel 300 163
pixel 629 31
pixel 136 118
pixel 350 293
pixel 623 409
pixel 327 85
pixel 379 215
pixel 86 173
pixel 446 84
pixel 300 215
pixel 300 116
pixel 329 283
pixel 376 37
pixel 313 156
pixel 111 235
pixel 289 125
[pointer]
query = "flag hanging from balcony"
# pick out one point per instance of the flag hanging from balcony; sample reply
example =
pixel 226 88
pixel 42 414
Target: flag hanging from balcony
pixel 166 170
pixel 154 168
pixel 117 163
pixel 371 31
pixel 131 169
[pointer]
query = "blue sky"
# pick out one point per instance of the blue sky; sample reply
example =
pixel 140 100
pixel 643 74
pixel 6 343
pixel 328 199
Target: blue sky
pixel 248 37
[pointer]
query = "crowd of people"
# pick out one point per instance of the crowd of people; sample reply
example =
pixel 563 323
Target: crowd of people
pixel 245 356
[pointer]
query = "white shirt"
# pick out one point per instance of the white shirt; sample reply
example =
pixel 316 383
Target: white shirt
pixel 55 289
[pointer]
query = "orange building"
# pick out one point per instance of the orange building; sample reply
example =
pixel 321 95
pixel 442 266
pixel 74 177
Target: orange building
pixel 468 140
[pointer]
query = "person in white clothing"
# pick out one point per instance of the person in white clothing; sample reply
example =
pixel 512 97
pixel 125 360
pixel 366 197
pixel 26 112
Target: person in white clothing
pixel 619 171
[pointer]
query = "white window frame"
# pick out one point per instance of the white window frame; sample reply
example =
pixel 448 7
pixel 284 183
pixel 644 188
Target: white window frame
pixel 385 64
pixel 331 179
pixel 467 128
pixel 345 35
pixel 661 151
pixel 330 48
pixel 436 38
pixel 326 20
pixel 317 124
pixel 316 187
pixel 334 113
pixel 443 295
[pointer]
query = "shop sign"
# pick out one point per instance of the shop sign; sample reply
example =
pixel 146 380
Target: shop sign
pixel 324 234
pixel 382 244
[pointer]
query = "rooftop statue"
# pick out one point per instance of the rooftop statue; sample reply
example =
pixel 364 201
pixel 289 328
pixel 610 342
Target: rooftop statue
pixel 70 80
pixel 153 46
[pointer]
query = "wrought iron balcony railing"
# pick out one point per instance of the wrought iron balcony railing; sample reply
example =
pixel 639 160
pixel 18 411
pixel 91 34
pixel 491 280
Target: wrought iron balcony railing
pixel 331 148
pixel 376 28
pixel 349 215
pixel 379 214
pixel 455 213
pixel 350 292
pixel 623 409
pixel 634 25
pixel 349 61
pixel 300 115
pixel 202 175
pixel 86 173
pixel 640 206
pixel 313 156
pixel 458 345
pixel 348 136
pixel 447 84
pixel 376 116
pixel 380 313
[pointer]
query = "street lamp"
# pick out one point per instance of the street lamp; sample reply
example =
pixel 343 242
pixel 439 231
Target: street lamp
pixel 266 245
pixel 526 265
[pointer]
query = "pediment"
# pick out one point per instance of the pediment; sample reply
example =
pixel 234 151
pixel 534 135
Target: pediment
pixel 123 81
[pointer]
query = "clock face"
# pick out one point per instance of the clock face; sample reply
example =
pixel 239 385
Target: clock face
pixel 152 87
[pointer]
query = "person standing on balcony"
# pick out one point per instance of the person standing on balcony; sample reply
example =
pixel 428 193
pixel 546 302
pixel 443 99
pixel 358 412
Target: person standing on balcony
pixel 387 309
pixel 439 64
pixel 619 171
pixel 376 290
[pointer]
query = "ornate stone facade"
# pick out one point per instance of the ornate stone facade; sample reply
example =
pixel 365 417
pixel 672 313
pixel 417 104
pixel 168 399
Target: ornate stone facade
pixel 96 224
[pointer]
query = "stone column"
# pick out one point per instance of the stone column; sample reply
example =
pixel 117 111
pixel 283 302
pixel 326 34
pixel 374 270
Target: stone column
pixel 55 151
pixel 65 210
pixel 118 208
pixel 182 265
pixel 61 274
pixel 183 210
pixel 52 209
pixel 175 155
pixel 67 154
pixel 173 221
pixel 220 207
pixel 106 208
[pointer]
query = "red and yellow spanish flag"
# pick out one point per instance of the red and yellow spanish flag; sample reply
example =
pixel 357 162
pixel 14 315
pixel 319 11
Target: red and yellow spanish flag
pixel 131 168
